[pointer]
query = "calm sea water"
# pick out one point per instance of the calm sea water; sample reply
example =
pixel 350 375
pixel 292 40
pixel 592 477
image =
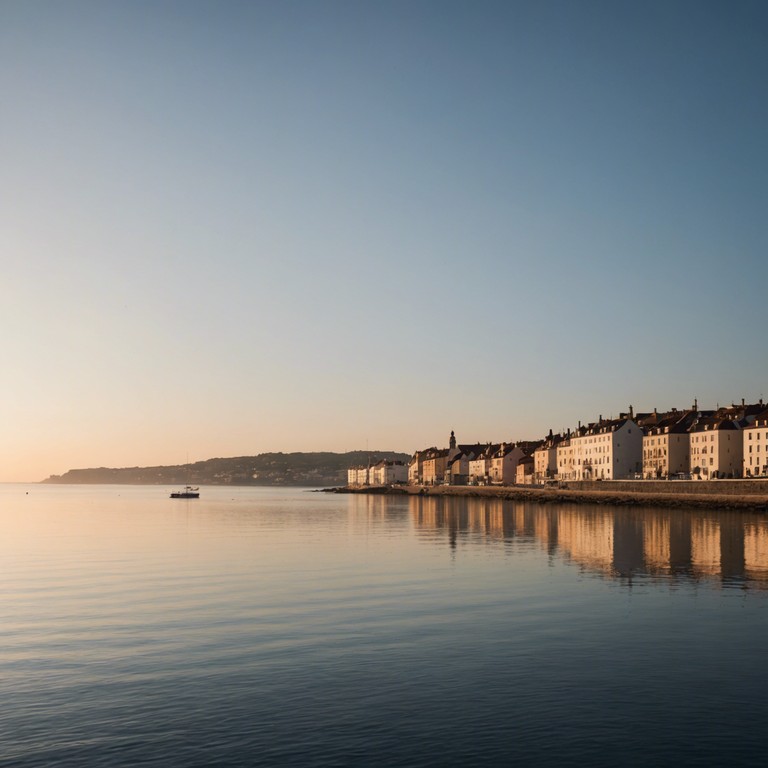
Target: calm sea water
pixel 288 628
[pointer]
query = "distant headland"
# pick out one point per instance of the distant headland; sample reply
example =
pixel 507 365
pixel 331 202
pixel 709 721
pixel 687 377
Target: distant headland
pixel 266 469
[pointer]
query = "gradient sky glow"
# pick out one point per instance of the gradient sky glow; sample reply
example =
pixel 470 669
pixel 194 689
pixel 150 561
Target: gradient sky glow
pixel 235 227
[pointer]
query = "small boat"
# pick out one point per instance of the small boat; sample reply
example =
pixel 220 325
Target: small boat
pixel 188 493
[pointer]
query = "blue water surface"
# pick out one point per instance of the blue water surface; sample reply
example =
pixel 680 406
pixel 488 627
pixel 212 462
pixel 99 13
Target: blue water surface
pixel 289 628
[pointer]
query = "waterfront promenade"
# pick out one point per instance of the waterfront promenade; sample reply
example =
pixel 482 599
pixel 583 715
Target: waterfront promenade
pixel 713 494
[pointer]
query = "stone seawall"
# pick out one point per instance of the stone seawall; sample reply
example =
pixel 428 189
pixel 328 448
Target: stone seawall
pixel 717 494
pixel 698 487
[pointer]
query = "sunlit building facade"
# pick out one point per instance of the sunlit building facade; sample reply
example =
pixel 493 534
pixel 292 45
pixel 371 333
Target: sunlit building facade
pixel 434 466
pixel 524 471
pixel 667 446
pixel 717 449
pixel 480 466
pixel 545 459
pixel 504 464
pixel 755 447
pixel 388 473
pixel 611 449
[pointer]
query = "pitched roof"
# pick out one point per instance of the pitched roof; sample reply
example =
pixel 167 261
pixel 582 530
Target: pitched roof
pixel 714 424
pixel 677 422
pixel 761 420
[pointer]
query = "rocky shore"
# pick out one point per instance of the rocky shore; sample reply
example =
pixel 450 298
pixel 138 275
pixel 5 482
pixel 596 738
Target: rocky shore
pixel 749 497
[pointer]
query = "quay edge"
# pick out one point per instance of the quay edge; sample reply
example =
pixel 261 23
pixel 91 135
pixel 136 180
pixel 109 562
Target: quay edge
pixel 713 494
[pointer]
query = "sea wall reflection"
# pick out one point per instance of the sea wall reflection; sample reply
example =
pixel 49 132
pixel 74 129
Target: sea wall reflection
pixel 619 542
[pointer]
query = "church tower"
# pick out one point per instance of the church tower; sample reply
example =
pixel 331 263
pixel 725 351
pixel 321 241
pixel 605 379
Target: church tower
pixel 452 441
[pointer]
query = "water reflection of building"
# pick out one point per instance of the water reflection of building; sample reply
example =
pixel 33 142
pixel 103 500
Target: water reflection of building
pixel 657 544
pixel 612 540
pixel 628 541
pixel 545 529
pixel 587 537
pixel 705 546
pixel 372 509
pixel 756 549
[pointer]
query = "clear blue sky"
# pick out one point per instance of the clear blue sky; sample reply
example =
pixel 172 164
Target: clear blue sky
pixel 236 227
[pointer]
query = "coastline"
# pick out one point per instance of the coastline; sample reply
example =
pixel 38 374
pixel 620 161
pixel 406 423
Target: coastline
pixel 748 496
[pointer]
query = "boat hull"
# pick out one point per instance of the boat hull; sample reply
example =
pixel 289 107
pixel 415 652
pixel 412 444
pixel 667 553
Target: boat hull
pixel 188 493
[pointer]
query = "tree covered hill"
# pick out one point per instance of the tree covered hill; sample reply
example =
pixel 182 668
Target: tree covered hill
pixel 302 469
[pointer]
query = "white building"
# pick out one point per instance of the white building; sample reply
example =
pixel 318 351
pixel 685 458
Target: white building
pixel 504 463
pixel 564 453
pixel 524 471
pixel 667 446
pixel 755 447
pixel 388 473
pixel 434 465
pixel 459 456
pixel 358 476
pixel 457 471
pixel 480 466
pixel 414 468
pixel 611 449
pixel 545 459
pixel 717 449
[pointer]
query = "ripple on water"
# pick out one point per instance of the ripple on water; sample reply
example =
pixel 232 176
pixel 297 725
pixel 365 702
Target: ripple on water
pixel 262 630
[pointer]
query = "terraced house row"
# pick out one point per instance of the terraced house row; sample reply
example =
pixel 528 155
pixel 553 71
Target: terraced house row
pixel 727 442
